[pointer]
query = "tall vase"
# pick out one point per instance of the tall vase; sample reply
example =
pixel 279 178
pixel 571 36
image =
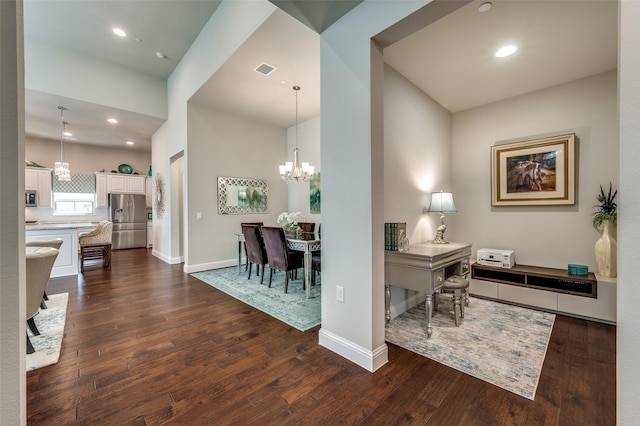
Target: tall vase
pixel 607 252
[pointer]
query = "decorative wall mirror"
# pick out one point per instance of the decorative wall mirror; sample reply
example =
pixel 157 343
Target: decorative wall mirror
pixel 241 195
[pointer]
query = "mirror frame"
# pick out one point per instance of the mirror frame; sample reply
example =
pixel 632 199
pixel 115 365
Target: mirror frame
pixel 224 208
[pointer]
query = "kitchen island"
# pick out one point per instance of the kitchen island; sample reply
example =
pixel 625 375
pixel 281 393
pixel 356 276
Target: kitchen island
pixel 67 260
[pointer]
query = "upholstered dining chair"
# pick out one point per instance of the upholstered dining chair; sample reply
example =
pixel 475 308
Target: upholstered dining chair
pixel 96 244
pixel 278 253
pixel 56 243
pixel 254 246
pixel 246 266
pixel 39 263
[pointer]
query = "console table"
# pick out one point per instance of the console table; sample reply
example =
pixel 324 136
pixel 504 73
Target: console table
pixel 423 269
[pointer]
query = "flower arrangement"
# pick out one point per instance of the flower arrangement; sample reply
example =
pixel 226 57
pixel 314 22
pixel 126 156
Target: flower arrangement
pixel 289 221
pixel 607 209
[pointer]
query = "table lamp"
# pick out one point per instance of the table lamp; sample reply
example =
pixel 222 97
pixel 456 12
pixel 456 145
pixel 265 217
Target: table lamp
pixel 441 202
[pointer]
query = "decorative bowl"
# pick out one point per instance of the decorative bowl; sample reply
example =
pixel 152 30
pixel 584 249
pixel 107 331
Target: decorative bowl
pixel 125 168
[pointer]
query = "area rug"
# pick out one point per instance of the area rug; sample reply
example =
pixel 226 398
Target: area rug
pixel 50 323
pixel 501 344
pixel 292 308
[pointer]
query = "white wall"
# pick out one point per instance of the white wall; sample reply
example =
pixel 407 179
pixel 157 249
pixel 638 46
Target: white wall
pixel 628 339
pixel 309 146
pixel 551 236
pixel 221 144
pixel 417 158
pixel 84 158
pixel 13 399
pixel 53 70
pixel 231 24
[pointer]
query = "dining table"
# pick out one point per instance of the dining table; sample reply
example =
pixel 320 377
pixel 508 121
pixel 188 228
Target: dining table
pixel 306 242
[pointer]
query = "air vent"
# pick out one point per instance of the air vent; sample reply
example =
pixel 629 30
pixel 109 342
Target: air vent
pixel 265 69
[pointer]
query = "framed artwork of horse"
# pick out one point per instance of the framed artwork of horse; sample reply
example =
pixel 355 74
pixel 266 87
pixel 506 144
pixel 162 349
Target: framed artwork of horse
pixel 534 172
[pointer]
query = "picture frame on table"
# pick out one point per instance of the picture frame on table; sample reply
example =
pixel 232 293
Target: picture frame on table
pixel 534 172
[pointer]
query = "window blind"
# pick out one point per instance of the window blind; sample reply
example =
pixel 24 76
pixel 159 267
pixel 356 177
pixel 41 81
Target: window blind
pixel 82 184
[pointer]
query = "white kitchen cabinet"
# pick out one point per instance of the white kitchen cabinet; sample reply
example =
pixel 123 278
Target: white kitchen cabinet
pixel 118 183
pixel 149 191
pixel 39 179
pixel 67 261
pixel 101 190
pixel 149 234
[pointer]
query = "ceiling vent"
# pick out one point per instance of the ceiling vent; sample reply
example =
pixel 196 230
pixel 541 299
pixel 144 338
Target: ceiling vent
pixel 265 69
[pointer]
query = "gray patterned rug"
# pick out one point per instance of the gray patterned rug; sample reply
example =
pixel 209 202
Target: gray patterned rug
pixel 292 308
pixel 501 344
pixel 50 323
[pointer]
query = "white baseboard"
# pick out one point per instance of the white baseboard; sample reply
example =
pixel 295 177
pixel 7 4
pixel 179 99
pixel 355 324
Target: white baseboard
pixel 169 260
pixel 369 360
pixel 189 269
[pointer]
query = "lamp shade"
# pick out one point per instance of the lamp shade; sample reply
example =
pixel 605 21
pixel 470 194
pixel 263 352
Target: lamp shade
pixel 442 202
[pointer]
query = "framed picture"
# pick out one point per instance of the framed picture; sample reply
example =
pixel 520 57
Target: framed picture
pixel 535 172
pixel 314 193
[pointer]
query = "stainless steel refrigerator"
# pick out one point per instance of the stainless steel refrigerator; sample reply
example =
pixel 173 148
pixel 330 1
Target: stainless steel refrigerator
pixel 128 212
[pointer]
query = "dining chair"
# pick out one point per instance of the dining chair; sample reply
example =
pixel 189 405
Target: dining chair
pixel 96 245
pixel 254 247
pixel 278 254
pixel 56 243
pixel 246 266
pixel 39 263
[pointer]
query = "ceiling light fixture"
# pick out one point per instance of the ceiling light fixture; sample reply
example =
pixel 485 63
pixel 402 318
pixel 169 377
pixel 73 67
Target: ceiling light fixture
pixel 119 32
pixel 160 55
pixel 129 143
pixel 61 169
pixel 112 120
pixel 506 51
pixel 296 171
pixel 485 6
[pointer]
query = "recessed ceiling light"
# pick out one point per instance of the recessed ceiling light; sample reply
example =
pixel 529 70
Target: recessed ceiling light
pixel 160 55
pixel 129 143
pixel 484 7
pixel 506 51
pixel 119 32
pixel 67 134
pixel 112 120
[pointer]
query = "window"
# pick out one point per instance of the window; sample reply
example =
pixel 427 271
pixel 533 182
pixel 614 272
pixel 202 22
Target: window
pixel 73 203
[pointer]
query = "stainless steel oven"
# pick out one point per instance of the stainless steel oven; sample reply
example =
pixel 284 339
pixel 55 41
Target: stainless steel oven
pixel 31 199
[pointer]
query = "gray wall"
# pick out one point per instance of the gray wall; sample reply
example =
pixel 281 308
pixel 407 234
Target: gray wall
pixel 550 236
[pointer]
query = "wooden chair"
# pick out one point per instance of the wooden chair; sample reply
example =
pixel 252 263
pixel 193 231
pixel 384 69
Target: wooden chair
pixel 96 245
pixel 254 247
pixel 279 255
pixel 38 265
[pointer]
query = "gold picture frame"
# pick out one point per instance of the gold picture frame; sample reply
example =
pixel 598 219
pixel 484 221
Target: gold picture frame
pixel 534 172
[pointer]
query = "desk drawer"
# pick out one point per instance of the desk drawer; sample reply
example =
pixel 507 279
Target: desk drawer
pixel 406 277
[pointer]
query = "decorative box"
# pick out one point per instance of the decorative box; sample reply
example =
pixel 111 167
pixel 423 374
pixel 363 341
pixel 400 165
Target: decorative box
pixel 578 269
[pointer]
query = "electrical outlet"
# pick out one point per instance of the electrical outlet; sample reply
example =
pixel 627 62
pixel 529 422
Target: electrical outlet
pixel 199 215
pixel 340 294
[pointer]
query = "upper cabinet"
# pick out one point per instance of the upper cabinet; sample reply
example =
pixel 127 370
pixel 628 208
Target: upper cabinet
pixel 149 191
pixel 39 179
pixel 110 183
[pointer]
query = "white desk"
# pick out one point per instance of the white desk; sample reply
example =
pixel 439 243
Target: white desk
pixel 423 269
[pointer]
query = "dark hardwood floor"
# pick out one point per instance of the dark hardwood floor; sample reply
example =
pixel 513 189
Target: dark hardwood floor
pixel 147 344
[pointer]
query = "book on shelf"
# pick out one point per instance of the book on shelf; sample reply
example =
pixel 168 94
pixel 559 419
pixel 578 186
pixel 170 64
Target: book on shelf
pixel 392 232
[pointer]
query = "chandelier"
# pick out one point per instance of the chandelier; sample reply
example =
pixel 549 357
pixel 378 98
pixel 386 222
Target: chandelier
pixel 296 171
pixel 61 169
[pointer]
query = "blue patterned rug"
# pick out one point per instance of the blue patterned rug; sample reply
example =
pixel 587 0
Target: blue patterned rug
pixel 292 308
pixel 50 323
pixel 501 344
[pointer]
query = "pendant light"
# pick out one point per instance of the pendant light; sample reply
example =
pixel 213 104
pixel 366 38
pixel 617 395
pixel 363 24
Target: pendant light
pixel 296 171
pixel 61 169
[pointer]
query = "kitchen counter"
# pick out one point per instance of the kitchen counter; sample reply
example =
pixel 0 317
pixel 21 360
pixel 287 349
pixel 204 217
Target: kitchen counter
pixel 40 226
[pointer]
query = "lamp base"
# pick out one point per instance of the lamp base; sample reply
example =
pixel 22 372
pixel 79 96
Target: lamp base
pixel 439 239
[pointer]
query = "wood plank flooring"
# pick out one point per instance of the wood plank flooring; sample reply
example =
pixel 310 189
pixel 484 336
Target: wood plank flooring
pixel 147 344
